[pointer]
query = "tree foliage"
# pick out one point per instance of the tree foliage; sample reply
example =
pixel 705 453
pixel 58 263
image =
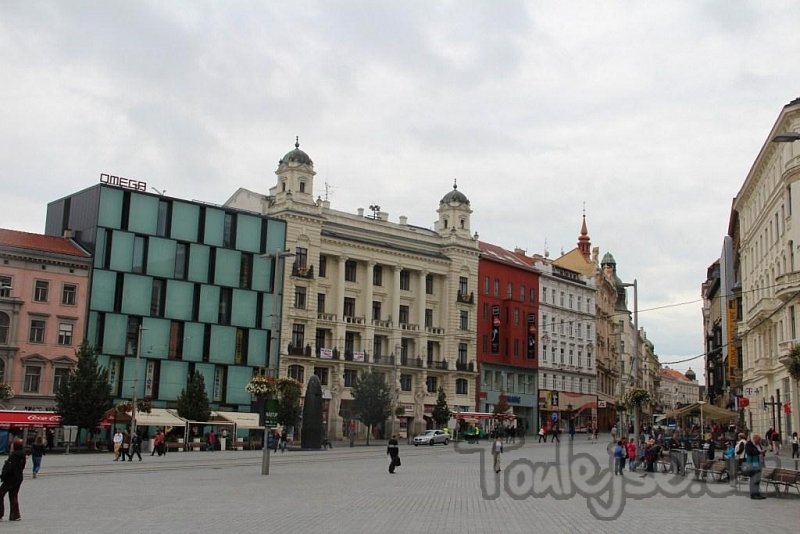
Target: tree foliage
pixel 288 401
pixel 372 399
pixel 84 396
pixel 441 412
pixel 501 407
pixel 193 401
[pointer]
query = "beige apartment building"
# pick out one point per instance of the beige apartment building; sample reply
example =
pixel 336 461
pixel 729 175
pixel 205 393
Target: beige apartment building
pixel 363 292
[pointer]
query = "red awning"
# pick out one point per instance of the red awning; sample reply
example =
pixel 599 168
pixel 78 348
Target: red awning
pixel 28 419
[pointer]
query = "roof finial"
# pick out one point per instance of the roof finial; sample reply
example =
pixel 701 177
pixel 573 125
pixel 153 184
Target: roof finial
pixel 297 141
pixel 455 184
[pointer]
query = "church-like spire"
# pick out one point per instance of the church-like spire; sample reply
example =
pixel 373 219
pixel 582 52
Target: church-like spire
pixel 584 243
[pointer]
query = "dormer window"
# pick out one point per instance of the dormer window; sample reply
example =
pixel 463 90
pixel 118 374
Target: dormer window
pixel 302 187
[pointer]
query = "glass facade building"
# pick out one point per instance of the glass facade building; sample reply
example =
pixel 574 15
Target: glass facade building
pixel 183 285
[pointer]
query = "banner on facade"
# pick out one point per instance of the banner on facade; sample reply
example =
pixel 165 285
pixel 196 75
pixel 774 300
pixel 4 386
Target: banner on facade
pixel 731 341
pixel 358 356
pixel 326 354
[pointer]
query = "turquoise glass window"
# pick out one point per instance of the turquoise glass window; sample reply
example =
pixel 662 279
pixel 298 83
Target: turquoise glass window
pixel 198 263
pixel 161 257
pixel 223 340
pixel 109 212
pixel 248 233
pixel 136 295
pixel 104 284
pixel 184 221
pixel 215 221
pixel 143 214
pixel 179 300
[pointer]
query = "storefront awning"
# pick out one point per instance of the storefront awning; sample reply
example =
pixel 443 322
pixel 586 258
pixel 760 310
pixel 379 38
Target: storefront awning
pixel 159 417
pixel 23 419
pixel 243 420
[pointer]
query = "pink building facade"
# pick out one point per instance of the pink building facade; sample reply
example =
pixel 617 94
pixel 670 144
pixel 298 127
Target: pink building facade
pixel 44 285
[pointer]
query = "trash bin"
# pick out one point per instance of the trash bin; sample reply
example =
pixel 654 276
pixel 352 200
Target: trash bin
pixel 677 459
pixel 223 442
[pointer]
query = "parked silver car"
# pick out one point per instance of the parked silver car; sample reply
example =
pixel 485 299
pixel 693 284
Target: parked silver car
pixel 432 437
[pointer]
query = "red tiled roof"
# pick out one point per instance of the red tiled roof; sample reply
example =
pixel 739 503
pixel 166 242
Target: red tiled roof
pixel 42 243
pixel 500 254
pixel 673 374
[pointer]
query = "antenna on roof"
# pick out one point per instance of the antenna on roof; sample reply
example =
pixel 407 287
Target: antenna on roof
pixel 546 252
pixel 328 191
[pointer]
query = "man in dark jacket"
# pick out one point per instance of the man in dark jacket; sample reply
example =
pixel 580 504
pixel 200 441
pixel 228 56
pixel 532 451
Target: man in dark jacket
pixel 393 450
pixel 12 480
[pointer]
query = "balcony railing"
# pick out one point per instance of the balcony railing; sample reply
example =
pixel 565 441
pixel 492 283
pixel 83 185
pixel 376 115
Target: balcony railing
pixel 383 359
pixel 438 365
pixel 409 326
pixel 381 324
pixel 353 320
pixel 465 366
pixel 331 317
pixel 465 298
pixel 787 285
pixel 435 330
pixel 306 271
pixel 299 351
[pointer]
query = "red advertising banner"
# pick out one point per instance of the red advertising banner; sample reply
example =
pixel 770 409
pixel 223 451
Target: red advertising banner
pixel 22 419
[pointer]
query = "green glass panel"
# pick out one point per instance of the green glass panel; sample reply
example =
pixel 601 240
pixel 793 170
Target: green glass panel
pixel 172 379
pixel 184 221
pixel 257 348
pixel 248 233
pixel 104 285
pixel 121 251
pixel 223 340
pixel 109 212
pixel 226 269
pixel 238 376
pixel 193 342
pixel 161 257
pixel 136 294
pixel 155 338
pixel 207 371
pixel 215 226
pixel 143 214
pixel 209 304
pixel 262 273
pixel 100 248
pixel 270 309
pixel 129 374
pixel 116 330
pixel 198 262
pixel 243 308
pixel 276 234
pixel 179 300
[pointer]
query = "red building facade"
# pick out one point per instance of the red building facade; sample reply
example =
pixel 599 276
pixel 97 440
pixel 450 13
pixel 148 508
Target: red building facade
pixel 508 311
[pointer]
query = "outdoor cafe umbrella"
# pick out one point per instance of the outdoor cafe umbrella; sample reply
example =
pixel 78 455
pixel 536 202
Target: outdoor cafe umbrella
pixel 705 411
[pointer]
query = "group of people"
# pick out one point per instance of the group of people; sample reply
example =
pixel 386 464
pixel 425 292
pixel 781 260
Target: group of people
pixel 127 444
pixel 645 454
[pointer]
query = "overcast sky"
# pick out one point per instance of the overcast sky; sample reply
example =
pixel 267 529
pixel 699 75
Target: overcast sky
pixel 648 113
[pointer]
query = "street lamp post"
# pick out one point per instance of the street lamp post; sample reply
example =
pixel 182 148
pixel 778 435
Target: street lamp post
pixel 272 360
pixel 136 379
pixel 635 362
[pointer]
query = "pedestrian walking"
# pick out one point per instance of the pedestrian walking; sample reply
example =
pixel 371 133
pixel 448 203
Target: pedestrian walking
pixel 795 451
pixel 542 434
pixel 211 445
pixel 619 458
pixel 614 433
pixel 284 439
pixel 393 450
pixel 555 431
pixel 497 450
pixel 117 439
pixel 51 439
pixel 158 439
pixel 753 463
pixel 776 442
pixel 11 477
pixel 631 454
pixel 126 444
pixel 136 446
pixel 37 451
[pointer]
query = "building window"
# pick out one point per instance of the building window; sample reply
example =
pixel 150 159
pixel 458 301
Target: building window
pixel 350 376
pixel 68 293
pixel 33 375
pixel 350 268
pixel 405 382
pixel 462 353
pixel 496 287
pixel 240 347
pixel 217 391
pixel 431 384
pixel 403 314
pixel 65 334
pixel 516 315
pixel 158 297
pixel 323 266
pixel 510 291
pixel 225 300
pixel 461 386
pixel 349 307
pixel 176 340
pixel 376 310
pixel 4 324
pixel 533 295
pixel 5 286
pixel 300 297
pixel 322 374
pixel 511 383
pixel 297 372
pixel 405 280
pixel 139 253
pixel 228 231
pixel 162 222
pixel 377 276
pixel 429 284
pixel 463 285
pixel 301 257
pixel 522 293
pixel 463 320
pixel 298 335
pixel 37 331
pixel 428 318
pixel 544 353
pixel 60 375
pixel 245 270
pixel 320 302
pixel 40 290
pixel 485 285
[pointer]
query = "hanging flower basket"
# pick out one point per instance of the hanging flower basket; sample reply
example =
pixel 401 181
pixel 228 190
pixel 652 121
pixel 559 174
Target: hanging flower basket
pixel 793 363
pixel 636 397
pixel 262 385
pixel 6 392
pixel 125 407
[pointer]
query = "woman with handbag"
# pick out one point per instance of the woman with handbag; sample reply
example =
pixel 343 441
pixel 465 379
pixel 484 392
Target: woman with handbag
pixel 753 463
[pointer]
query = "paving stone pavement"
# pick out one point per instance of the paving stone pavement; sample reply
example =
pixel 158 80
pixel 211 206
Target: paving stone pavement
pixel 438 489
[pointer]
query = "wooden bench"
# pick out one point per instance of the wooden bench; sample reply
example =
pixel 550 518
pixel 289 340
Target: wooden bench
pixel 718 469
pixel 781 477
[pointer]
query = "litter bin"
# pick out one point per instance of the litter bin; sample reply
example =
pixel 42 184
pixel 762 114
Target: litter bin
pixel 223 443
pixel 677 460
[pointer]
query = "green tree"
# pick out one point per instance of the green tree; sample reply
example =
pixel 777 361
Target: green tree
pixel 288 401
pixel 501 409
pixel 84 396
pixel 441 412
pixel 372 399
pixel 193 401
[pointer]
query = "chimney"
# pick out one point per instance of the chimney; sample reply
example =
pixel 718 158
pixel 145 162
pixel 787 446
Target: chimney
pixel 383 216
pixel 360 212
pixel 68 233
pixel 403 220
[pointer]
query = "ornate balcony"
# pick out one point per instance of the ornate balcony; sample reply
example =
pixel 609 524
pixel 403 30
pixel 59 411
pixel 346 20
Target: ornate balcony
pixel 465 298
pixel 763 309
pixel 353 320
pixel 326 317
pixel 435 330
pixel 298 351
pixel 381 324
pixel 306 271
pixel 787 285
pixel 465 366
pixel 409 326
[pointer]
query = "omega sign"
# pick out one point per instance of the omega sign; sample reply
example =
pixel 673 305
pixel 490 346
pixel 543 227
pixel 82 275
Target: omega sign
pixel 121 181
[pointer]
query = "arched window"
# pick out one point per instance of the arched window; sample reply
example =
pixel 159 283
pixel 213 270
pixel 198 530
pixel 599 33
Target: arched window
pixel 296 372
pixel 4 322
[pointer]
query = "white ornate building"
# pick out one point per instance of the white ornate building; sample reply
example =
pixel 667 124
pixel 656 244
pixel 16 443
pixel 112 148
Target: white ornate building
pixel 364 292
